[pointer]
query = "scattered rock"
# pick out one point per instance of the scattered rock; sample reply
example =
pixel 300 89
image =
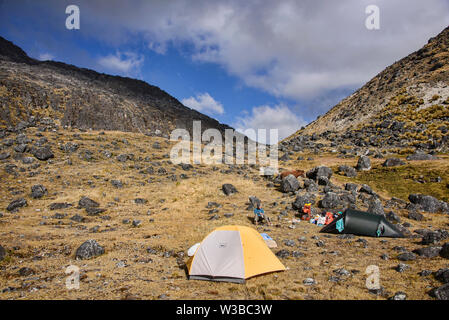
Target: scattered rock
pixel 309 282
pixel 376 207
pixel 289 184
pixel 445 251
pixel 348 171
pixel 228 189
pixel 89 249
pixel 364 163
pixel 421 156
pixel 86 202
pixel 43 153
pixel 59 205
pixel 393 162
pixel 407 256
pixel 428 203
pixel 2 253
pixel 25 272
pixel 441 293
pixel 399 296
pixel 402 267
pixel 117 184
pixel 428 252
pixel 38 191
pixel 330 201
pixel 16 204
pixel 321 171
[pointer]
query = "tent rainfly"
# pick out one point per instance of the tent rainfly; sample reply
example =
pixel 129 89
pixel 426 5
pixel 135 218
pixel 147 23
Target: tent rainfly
pixel 363 224
pixel 232 254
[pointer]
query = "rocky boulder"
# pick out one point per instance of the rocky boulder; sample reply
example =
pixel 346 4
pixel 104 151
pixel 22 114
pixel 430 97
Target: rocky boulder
pixel 317 172
pixel 89 249
pixel 421 156
pixel 16 204
pixel 428 203
pixel 43 153
pixel 364 163
pixel 347 171
pixel 228 189
pixel 289 184
pixel 393 162
pixel 38 191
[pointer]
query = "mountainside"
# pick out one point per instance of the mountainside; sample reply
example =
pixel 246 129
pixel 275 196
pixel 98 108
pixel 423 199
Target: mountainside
pixel 32 91
pixel 406 105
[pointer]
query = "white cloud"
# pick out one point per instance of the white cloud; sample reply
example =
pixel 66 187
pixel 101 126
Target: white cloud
pixel 279 117
pixel 204 103
pixel 127 63
pixel 291 49
pixel 46 56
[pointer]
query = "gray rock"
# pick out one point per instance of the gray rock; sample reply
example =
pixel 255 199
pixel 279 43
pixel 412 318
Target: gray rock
pixel 25 272
pixel 86 202
pixel 445 251
pixel 59 205
pixel 415 215
pixel 393 162
pixel 289 184
pixel 421 156
pixel 2 253
pixel 77 218
pixel 402 267
pixel 375 206
pixel 38 191
pixel 43 153
pixel 117 184
pixel 407 256
pixel 283 253
pixel 364 163
pixel 290 243
pixel 399 296
pixel 136 223
pixel 348 171
pixel 122 158
pixel 89 249
pixel 366 189
pixel 441 293
pixel 428 203
pixel 330 201
pixel 254 201
pixel 393 217
pixel 351 187
pixel 309 282
pixel 301 200
pixel 228 189
pixel 140 201
pixel 4 155
pixel 16 204
pixel 442 275
pixel 428 252
pixel 321 171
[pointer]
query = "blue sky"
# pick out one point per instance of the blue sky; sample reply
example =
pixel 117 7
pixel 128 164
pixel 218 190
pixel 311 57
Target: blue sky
pixel 249 64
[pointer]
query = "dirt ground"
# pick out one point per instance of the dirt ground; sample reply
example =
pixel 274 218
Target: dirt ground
pixel 174 218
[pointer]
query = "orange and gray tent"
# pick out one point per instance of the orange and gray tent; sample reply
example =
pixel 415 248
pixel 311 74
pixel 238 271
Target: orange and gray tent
pixel 233 254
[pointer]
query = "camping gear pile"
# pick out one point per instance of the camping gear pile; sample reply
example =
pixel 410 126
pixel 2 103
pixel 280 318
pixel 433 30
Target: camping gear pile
pixel 232 254
pixel 321 219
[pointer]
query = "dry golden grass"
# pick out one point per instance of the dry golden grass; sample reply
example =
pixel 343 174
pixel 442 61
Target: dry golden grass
pixel 180 221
